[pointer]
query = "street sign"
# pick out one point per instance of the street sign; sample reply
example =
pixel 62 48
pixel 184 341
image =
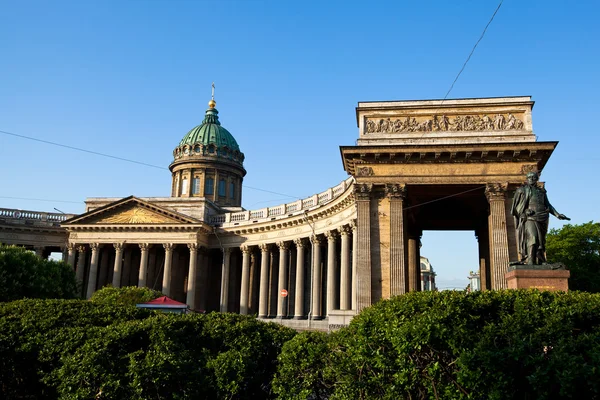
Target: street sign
pixel 283 293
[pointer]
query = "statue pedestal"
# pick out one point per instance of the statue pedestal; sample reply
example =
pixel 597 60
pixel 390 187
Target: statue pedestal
pixel 543 277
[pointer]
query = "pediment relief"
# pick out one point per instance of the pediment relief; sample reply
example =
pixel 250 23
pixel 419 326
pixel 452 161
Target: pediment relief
pixel 133 214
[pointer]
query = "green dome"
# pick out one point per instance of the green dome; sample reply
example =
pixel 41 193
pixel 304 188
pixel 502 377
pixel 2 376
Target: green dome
pixel 209 140
pixel 210 132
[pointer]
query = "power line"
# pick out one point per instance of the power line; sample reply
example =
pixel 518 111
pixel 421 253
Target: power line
pixel 472 51
pixel 122 159
pixel 48 200
pixel 80 149
pixel 444 198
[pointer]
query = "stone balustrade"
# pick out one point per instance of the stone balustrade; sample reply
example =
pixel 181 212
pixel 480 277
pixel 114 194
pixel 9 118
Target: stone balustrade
pixel 36 216
pixel 282 210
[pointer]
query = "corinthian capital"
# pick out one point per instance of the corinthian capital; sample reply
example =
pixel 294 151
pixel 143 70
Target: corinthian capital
pixel 496 191
pixel 264 247
pixel 331 235
pixel 299 242
pixel 283 245
pixel 395 191
pixel 344 230
pixel 362 191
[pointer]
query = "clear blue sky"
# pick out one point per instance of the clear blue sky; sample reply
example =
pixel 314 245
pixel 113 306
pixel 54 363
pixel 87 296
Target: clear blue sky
pixel 131 78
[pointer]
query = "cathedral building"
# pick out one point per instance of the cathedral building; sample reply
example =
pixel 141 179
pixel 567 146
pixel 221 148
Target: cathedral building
pixel 315 262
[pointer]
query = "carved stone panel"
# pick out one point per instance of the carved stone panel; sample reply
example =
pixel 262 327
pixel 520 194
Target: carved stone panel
pixel 136 215
pixel 441 123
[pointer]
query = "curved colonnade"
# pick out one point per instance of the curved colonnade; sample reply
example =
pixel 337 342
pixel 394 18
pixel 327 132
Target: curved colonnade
pixel 290 261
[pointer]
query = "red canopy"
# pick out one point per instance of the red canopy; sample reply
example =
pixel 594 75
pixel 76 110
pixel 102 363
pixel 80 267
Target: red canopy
pixel 163 302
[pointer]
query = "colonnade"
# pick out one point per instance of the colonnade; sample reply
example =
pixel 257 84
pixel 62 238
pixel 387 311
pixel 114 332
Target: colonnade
pixel 157 266
pixel 299 278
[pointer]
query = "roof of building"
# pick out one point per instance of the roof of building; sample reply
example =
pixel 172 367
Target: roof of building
pixel 209 140
pixel 210 132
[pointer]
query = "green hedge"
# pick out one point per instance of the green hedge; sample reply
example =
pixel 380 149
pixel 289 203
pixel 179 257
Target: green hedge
pixel 454 345
pixel 23 274
pixel 36 334
pixel 85 350
pixel 448 345
pixel 126 296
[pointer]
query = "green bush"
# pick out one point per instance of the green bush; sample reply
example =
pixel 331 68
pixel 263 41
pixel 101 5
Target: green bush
pixel 218 356
pixel 128 295
pixel 454 345
pixel 303 367
pixel 75 349
pixel 36 334
pixel 23 274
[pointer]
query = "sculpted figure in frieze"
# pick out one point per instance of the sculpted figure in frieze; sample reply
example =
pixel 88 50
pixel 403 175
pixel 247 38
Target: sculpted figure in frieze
pixel 437 123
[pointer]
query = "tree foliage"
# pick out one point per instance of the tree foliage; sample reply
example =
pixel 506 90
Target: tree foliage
pixel 35 335
pixel 81 349
pixel 128 295
pixel 23 274
pixel 578 247
pixel 454 345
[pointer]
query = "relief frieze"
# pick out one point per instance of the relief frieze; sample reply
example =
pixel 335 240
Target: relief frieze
pixel 136 215
pixel 442 123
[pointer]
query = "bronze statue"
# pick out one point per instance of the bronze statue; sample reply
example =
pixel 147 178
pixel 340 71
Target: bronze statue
pixel 531 210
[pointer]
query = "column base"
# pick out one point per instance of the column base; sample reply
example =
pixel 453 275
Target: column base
pixel 317 318
pixel 300 317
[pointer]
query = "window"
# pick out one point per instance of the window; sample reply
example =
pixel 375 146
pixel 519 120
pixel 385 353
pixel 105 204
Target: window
pixel 222 187
pixel 231 190
pixel 184 186
pixel 208 186
pixel 195 185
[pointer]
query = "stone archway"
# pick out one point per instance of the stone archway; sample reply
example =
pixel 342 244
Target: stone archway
pixel 423 165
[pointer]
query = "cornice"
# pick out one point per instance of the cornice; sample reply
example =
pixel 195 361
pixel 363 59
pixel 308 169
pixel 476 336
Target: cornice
pixel 354 156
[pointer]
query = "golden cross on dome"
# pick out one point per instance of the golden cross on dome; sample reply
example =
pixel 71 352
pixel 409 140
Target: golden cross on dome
pixel 212 103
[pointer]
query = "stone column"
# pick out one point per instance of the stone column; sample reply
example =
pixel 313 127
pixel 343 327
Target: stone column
pixel 283 278
pixel 483 246
pixel 499 257
pixel 299 292
pixel 414 263
pixel 396 193
pixel 362 194
pixel 72 253
pixel 263 301
pixel 317 279
pixel 104 261
pixel 345 271
pixel 80 272
pixel 143 265
pixel 91 287
pixel 332 287
pixel 225 279
pixel 39 251
pixel 245 289
pixel 116 282
pixel 65 253
pixel 167 273
pixel 354 259
pixel 192 275
pixel 202 277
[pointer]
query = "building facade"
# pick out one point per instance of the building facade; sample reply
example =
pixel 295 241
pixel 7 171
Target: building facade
pixel 316 262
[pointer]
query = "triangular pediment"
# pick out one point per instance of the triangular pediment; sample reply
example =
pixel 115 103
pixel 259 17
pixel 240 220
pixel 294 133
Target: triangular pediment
pixel 131 211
